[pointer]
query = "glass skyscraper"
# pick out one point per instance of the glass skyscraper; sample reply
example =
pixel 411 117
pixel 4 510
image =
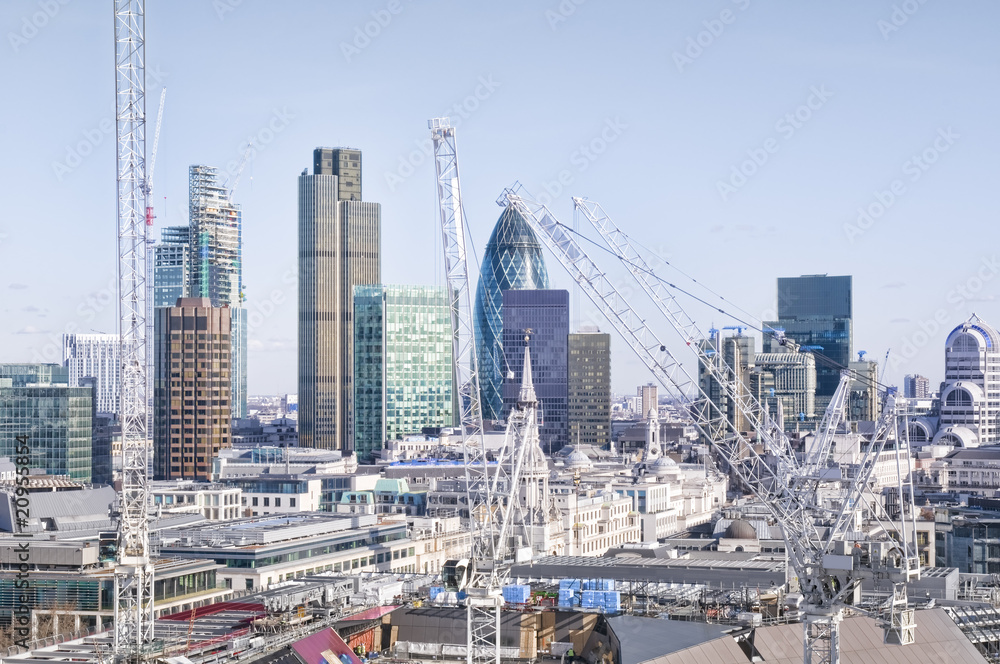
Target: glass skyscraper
pixel 172 266
pixel 513 261
pixel 402 363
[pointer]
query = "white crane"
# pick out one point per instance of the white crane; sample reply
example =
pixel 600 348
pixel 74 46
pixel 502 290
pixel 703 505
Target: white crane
pixel 817 509
pixel 133 626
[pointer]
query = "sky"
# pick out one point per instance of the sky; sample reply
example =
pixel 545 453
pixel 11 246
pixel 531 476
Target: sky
pixel 738 140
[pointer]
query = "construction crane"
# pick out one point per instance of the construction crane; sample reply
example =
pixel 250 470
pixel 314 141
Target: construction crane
pixel 148 185
pixel 817 507
pixel 133 621
pixel 239 171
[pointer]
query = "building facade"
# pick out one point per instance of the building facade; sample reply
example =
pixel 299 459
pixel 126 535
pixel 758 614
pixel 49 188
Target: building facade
pixel 916 386
pixel 970 396
pixel 786 378
pixel 817 310
pixel 172 266
pixel 589 389
pixel 513 261
pixel 36 401
pixel 217 265
pixel 191 388
pixel 99 356
pixel 402 364
pixel 339 248
pixel 543 317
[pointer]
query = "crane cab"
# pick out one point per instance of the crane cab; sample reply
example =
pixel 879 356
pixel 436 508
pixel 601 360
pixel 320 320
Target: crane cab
pixel 455 574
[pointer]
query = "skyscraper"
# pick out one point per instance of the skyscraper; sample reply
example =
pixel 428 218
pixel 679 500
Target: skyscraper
pixel 37 401
pixel 970 396
pixel 916 386
pixel 513 261
pixel 817 310
pixel 339 248
pixel 99 356
pixel 589 388
pixel 647 398
pixel 172 266
pixel 191 388
pixel 402 363
pixel 542 315
pixel 216 255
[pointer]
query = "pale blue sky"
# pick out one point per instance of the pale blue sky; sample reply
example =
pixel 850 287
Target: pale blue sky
pixel 673 129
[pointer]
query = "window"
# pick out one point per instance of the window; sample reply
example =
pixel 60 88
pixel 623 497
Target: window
pixel 291 502
pixel 267 501
pixel 277 501
pixel 255 502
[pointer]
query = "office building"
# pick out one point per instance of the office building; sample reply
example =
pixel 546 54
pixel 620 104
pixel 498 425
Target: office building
pixel 217 265
pixel 513 261
pixel 647 399
pixel 402 364
pixel 339 248
pixel 589 388
pixel 37 401
pixel 99 356
pixel 172 266
pixel 191 388
pixel 106 431
pixel 734 356
pixel 916 386
pixel 970 395
pixel 788 379
pixel 863 403
pixel 543 316
pixel 817 311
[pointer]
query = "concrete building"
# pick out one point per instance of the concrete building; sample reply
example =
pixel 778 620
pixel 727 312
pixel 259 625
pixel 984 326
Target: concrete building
pixel 214 501
pixel 402 364
pixel 916 386
pixel 41 412
pixel 970 396
pixel 512 261
pixel 589 388
pixel 542 315
pixel 280 494
pixel 98 356
pixel 788 378
pixel 191 388
pixel 734 355
pixel 647 399
pixel 339 248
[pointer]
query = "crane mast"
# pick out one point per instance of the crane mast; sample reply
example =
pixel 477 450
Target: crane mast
pixel 133 628
pixel 817 509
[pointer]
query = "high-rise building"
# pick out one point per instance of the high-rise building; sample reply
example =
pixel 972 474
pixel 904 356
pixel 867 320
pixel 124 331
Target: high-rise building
pixel 862 401
pixel 99 356
pixel 37 401
pixel 543 316
pixel 647 399
pixel 788 378
pixel 817 310
pixel 403 369
pixel 589 388
pixel 513 261
pixel 192 388
pixel 735 355
pixel 217 264
pixel 339 248
pixel 172 266
pixel 970 395
pixel 916 386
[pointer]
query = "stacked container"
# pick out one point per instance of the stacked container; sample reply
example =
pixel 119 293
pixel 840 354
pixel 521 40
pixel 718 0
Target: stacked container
pixel 517 594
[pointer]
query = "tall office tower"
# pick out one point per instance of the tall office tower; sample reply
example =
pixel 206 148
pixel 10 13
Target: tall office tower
pixel 647 399
pixel 172 266
pixel 916 386
pixel 402 363
pixel 37 401
pixel 339 248
pixel 99 356
pixel 217 264
pixel 192 388
pixel 863 402
pixel 589 388
pixel 970 395
pixel 513 261
pixel 543 316
pixel 736 354
pixel 788 378
pixel 817 310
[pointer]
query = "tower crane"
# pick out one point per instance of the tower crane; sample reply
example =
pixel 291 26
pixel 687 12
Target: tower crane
pixel 147 188
pixel 133 621
pixel 816 506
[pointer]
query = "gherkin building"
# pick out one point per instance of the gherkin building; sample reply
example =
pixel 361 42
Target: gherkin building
pixel 513 261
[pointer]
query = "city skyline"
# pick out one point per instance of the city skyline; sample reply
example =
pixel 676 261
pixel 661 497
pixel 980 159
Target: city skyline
pixel 669 132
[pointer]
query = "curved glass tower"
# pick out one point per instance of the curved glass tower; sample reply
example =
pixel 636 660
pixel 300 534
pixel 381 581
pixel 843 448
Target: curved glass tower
pixel 513 261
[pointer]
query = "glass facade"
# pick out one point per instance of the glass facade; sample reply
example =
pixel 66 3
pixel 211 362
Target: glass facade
pixel 172 266
pixel 513 261
pixel 402 363
pixel 56 418
pixel 546 314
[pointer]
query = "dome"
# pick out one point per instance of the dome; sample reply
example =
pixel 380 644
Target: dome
pixel 956 436
pixel 513 260
pixel 577 459
pixel 663 466
pixel 740 529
